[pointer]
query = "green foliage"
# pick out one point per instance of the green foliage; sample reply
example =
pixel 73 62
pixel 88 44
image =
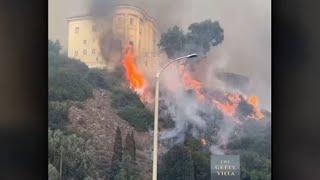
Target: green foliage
pixel 205 33
pixel 139 118
pixel 122 98
pixel 66 85
pixel 131 109
pixel 54 47
pixel 130 147
pixel 71 79
pixel 199 39
pixel 77 162
pixel 177 165
pixel 97 78
pixel 172 41
pixel 53 173
pixel 58 114
pixel 255 156
pixel 123 165
pixel 201 160
pixel 117 154
pixel 128 169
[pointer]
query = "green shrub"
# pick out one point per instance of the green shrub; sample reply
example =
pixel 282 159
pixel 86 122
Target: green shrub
pixel 65 85
pixel 139 118
pixel 122 98
pixel 97 78
pixel 58 114
pixel 77 162
pixel 53 173
pixel 131 109
pixel 67 79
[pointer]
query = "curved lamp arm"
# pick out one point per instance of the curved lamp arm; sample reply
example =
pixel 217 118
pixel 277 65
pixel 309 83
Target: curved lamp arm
pixel 175 60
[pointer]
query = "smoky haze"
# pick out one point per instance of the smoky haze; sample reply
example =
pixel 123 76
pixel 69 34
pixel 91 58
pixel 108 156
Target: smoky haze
pixel 246 48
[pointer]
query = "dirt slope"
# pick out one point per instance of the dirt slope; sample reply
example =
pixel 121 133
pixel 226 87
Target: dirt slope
pixel 97 120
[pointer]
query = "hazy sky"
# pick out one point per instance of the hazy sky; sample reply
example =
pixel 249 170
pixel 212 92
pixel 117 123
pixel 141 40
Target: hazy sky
pixel 247 29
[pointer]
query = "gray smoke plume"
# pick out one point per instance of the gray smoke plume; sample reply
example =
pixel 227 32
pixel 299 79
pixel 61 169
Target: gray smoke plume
pixel 245 50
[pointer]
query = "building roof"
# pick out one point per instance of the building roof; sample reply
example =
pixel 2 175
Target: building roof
pixel 89 16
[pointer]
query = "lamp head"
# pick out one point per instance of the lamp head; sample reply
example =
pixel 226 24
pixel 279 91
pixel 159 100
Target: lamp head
pixel 193 55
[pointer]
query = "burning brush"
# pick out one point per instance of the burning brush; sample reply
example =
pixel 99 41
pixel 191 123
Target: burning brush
pixel 190 104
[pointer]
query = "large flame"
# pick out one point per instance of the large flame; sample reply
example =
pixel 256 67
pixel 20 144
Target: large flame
pixel 230 106
pixel 231 101
pixel 135 78
pixel 190 83
pixel 227 105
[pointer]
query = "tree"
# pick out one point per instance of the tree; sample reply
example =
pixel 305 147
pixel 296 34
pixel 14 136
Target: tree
pixel 54 47
pixel 130 147
pixel 173 41
pixel 128 169
pixel 128 166
pixel 97 78
pixel 204 34
pixel 200 158
pixel 67 79
pixel 53 173
pixel 177 165
pixel 117 154
pixel 199 39
pixel 57 114
pixel 77 161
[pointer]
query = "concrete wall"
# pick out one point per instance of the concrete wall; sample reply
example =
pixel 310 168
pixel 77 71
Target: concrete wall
pixel 83 43
pixel 128 24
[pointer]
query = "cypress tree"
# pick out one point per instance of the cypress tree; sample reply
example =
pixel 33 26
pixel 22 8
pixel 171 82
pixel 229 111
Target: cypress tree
pixel 117 154
pixel 134 146
pixel 130 147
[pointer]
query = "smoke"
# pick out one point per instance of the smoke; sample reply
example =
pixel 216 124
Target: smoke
pixel 163 11
pixel 245 50
pixel 181 105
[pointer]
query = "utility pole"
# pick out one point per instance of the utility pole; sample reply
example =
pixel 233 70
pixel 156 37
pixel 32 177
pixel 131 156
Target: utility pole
pixel 156 113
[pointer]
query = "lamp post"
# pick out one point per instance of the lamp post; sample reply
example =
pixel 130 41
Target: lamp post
pixel 156 113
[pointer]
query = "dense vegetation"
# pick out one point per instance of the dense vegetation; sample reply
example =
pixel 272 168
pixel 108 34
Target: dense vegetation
pixel 191 160
pixel 131 109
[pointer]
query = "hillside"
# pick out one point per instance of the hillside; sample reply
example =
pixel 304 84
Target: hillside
pixel 97 120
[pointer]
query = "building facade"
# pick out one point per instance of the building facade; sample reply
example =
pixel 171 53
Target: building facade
pixel 128 23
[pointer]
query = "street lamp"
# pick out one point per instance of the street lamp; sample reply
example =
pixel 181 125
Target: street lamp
pixel 156 113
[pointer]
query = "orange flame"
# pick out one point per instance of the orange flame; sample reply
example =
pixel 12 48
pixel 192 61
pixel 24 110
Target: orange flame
pixel 254 102
pixel 204 142
pixel 228 108
pixel 136 80
pixel 190 83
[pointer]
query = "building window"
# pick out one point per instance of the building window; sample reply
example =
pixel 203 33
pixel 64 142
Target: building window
pixel 131 21
pixel 94 28
pixel 84 41
pixel 97 59
pixel 93 51
pixel 84 52
pixel 93 40
pixel 75 53
pixel 76 30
